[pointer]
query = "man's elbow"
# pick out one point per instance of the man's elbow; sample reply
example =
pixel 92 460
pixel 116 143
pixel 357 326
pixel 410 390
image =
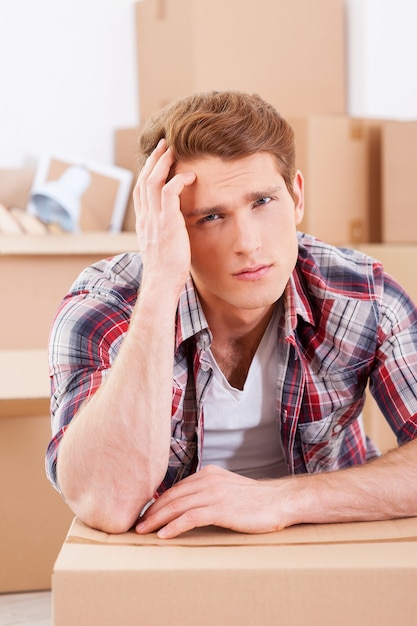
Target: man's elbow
pixel 112 518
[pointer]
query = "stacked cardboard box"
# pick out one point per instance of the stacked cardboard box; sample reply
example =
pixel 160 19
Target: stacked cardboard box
pixel 292 53
pixel 334 155
pixel 34 518
pixel 37 271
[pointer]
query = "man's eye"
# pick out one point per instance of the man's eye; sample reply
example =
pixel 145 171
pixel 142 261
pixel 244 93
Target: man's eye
pixel 209 218
pixel 262 201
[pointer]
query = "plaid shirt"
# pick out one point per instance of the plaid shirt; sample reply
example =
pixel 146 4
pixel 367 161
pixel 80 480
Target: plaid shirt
pixel 346 322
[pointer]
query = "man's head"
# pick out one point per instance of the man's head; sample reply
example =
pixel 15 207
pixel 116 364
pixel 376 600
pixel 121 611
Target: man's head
pixel 243 206
pixel 226 124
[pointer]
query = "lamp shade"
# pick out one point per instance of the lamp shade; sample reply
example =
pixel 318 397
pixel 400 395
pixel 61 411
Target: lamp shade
pixel 59 201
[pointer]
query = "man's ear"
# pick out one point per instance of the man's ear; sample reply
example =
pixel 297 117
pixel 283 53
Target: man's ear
pixel 298 192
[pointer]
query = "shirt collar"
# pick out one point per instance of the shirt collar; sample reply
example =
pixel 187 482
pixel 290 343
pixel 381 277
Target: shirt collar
pixel 190 317
pixel 297 303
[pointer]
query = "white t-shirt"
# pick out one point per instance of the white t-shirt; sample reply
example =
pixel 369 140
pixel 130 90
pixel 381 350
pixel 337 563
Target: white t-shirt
pixel 241 431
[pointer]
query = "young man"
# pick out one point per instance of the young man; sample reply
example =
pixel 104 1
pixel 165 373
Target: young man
pixel 217 375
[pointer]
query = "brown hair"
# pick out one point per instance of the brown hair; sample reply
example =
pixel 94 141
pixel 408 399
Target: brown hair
pixel 226 124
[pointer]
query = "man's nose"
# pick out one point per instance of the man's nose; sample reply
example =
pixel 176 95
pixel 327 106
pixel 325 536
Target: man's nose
pixel 246 236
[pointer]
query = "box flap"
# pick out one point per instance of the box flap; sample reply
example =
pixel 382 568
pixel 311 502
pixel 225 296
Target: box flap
pixel 353 532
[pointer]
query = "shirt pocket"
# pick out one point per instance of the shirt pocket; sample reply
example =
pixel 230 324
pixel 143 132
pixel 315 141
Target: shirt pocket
pixel 322 441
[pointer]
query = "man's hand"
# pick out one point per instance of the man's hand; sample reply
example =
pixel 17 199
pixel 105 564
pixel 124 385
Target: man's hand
pixel 384 488
pixel 215 496
pixel 162 235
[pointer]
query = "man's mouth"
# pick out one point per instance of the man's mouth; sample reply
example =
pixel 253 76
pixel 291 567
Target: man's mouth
pixel 254 272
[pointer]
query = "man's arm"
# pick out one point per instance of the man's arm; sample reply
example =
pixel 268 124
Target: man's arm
pixel 114 454
pixel 384 488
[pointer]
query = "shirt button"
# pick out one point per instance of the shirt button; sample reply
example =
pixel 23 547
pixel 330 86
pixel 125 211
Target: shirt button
pixel 337 428
pixel 205 367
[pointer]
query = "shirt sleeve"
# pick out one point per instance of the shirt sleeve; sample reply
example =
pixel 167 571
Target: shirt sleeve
pixel 393 381
pixel 86 335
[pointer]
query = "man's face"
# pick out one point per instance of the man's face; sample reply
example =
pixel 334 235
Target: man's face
pixel 241 221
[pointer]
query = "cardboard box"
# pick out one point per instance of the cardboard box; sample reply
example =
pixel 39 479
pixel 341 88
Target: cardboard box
pixel 291 53
pixel 372 131
pixel 34 519
pixel 332 153
pixel 399 182
pixel 344 574
pixel 377 427
pixel 37 271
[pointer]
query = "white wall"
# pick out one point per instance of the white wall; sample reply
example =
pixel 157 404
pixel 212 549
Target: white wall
pixel 382 58
pixel 67 77
pixel 68 73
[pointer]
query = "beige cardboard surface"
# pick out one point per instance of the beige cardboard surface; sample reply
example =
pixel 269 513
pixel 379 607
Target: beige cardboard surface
pixel 223 585
pixel 64 245
pixel 331 152
pixel 37 272
pixel 24 375
pixel 297 61
pixel 34 519
pixel 355 532
pixel 376 426
pixel 372 129
pixel 399 182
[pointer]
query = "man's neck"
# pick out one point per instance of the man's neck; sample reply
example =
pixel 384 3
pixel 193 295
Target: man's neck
pixel 235 341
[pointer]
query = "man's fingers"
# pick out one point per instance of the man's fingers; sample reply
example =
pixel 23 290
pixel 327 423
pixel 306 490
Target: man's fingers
pixel 169 507
pixel 172 189
pixel 194 518
pixel 155 177
pixel 152 160
pixel 171 525
pixel 153 190
pixel 194 501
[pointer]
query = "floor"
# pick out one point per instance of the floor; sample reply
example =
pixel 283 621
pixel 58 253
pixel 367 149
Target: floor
pixel 26 609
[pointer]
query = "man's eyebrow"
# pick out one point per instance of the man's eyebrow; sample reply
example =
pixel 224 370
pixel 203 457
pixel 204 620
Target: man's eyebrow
pixel 204 211
pixel 252 196
pixel 263 193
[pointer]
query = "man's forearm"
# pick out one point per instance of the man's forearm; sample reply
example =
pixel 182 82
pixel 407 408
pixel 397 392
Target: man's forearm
pixel 384 488
pixel 115 452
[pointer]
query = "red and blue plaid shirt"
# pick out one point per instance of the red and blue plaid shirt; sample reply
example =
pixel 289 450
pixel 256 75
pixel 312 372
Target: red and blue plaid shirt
pixel 346 323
